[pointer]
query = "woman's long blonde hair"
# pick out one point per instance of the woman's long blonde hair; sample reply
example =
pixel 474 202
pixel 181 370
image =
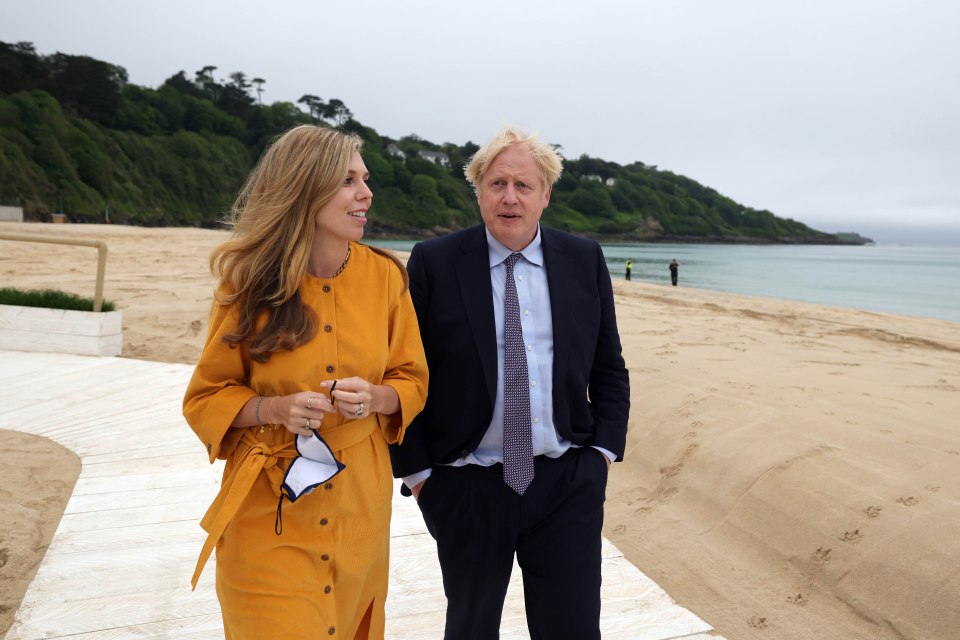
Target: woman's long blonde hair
pixel 274 223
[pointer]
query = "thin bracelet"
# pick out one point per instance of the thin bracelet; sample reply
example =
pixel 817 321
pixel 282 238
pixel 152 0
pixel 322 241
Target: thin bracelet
pixel 257 412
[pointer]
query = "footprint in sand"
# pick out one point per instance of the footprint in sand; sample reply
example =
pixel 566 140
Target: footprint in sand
pixel 873 511
pixel 690 434
pixel 851 536
pixel 620 528
pixel 669 472
pixel 756 622
pixel 822 555
pixel 952 452
pixel 668 493
pixel 932 487
pixel 909 501
pixel 798 600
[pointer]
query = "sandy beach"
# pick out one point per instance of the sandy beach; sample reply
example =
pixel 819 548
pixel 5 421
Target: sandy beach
pixel 792 470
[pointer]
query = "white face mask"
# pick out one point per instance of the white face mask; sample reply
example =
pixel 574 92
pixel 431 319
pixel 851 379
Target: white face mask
pixel 315 465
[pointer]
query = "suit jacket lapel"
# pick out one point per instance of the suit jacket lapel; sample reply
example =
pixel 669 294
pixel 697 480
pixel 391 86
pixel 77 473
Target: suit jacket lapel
pixel 472 267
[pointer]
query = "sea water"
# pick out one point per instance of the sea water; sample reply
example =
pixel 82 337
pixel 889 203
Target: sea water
pixel 918 280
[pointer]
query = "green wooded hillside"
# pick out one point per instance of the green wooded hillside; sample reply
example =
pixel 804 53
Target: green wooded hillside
pixel 77 137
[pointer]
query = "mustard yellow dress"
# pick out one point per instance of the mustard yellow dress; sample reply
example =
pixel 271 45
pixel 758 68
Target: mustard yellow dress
pixel 325 574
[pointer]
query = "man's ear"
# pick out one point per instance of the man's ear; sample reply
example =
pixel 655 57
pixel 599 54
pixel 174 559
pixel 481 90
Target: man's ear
pixel 546 197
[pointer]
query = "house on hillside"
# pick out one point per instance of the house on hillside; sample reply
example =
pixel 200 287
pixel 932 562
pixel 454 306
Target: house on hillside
pixel 595 178
pixel 395 151
pixel 436 157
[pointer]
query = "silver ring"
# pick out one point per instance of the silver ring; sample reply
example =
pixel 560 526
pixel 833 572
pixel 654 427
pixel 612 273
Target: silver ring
pixel 310 402
pixel 360 410
pixel 307 425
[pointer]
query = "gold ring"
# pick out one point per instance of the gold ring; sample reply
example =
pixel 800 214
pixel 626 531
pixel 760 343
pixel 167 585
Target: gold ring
pixel 360 410
pixel 310 402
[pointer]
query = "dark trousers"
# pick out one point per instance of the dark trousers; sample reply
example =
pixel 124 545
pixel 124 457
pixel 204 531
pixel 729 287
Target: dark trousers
pixel 554 529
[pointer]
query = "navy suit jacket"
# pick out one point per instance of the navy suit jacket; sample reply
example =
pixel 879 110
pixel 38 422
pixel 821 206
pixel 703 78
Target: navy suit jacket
pixel 451 291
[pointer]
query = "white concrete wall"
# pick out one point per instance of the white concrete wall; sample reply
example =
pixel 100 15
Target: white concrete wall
pixel 11 214
pixel 60 331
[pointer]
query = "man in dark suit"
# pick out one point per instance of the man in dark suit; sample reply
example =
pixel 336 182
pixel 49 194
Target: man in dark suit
pixel 527 406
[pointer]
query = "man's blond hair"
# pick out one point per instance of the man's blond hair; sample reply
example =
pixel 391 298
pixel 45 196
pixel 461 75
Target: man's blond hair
pixel 546 157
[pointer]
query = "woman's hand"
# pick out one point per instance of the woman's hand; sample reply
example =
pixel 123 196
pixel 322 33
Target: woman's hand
pixel 300 412
pixel 355 398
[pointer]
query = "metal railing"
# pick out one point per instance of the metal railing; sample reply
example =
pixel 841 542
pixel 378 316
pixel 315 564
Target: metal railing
pixel 100 245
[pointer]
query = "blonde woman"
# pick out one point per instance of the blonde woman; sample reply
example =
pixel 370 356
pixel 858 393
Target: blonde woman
pixel 313 364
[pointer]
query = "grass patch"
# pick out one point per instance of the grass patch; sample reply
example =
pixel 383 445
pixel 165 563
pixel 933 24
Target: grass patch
pixel 50 299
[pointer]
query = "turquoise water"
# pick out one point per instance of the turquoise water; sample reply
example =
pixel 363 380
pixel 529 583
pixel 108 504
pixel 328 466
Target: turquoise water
pixel 913 280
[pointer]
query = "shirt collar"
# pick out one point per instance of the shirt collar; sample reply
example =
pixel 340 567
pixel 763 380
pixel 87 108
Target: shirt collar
pixel 533 252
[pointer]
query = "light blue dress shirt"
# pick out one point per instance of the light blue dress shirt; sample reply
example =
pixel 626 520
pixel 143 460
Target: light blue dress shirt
pixel 536 323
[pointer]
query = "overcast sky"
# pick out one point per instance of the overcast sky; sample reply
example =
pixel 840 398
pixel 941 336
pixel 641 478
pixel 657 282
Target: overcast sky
pixel 842 114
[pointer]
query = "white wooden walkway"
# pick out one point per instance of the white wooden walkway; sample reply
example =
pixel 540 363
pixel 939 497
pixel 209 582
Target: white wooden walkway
pixel 120 562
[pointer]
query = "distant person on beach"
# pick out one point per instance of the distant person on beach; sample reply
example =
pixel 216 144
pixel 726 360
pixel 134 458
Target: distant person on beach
pixel 528 402
pixel 629 268
pixel 674 272
pixel 313 364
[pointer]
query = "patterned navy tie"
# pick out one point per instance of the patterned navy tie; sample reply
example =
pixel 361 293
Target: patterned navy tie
pixel 517 438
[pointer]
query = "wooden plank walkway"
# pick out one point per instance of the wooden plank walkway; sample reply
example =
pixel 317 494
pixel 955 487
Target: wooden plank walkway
pixel 119 565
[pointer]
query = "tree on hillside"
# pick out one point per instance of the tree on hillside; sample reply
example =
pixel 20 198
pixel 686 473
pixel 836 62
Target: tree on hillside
pixel 206 82
pixel 337 111
pixel 315 104
pixel 182 84
pixel 88 87
pixel 234 97
pixel 259 82
pixel 20 67
pixel 239 80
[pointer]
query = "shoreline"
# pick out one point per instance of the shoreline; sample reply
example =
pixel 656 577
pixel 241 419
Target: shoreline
pixel 390 234
pixel 789 468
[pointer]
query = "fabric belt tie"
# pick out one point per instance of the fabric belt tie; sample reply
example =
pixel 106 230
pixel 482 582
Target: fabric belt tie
pixel 258 457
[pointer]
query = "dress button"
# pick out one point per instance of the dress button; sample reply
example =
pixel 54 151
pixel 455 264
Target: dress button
pixel 325 557
pixel 326 288
pixel 328 486
pixel 330 368
pixel 327 328
pixel 332 630
pixel 327 589
pixel 323 521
